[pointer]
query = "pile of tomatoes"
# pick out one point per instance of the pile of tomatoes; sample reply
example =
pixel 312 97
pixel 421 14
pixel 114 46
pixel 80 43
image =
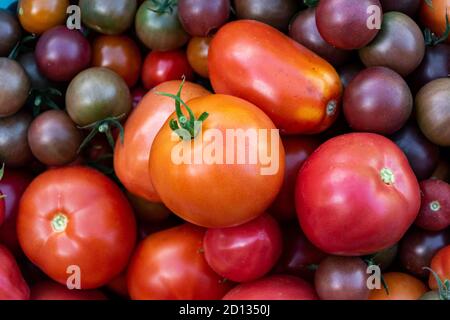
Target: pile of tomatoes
pixel 95 96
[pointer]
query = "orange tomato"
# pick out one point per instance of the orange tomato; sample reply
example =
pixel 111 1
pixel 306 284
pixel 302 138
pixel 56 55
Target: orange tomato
pixel 38 16
pixel 433 17
pixel 131 156
pixel 197 54
pixel 401 286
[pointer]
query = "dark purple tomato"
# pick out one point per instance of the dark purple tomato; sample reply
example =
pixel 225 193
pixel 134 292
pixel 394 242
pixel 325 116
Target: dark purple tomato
pixel 14 149
pixel 300 257
pixel 434 214
pixel 377 100
pixel 14 87
pixel 104 94
pixel 276 13
pixel 408 7
pixel 10 32
pixel 433 111
pixel 385 257
pixel 442 171
pixel 245 252
pixel 199 17
pixel 418 247
pixel 303 29
pixel 54 139
pixel 349 71
pixel 399 45
pixel 62 53
pixel 342 278
pixel 148 212
pixel 344 23
pixel 29 64
pixel 435 64
pixel 422 155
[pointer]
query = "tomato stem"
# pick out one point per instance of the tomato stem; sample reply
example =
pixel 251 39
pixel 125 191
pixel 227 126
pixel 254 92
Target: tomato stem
pixel 164 6
pixel 443 286
pixel 59 222
pixel 331 108
pixel 104 126
pixel 387 176
pixel 435 206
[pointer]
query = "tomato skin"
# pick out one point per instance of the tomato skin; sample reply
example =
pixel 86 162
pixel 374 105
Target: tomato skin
pixel 12 284
pixel 197 54
pixel 169 265
pixel 433 17
pixel 246 252
pixel 441 265
pixel 343 204
pixel 120 54
pixel 278 287
pixel 131 156
pixel 160 67
pixel 38 16
pixel 2 208
pixel 204 201
pixel 297 89
pixel 49 290
pixel 401 286
pixel 91 230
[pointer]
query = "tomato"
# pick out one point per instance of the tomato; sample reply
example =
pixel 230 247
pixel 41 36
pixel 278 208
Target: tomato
pixel 10 32
pixel 49 290
pixel 213 189
pixel 197 54
pixel 15 87
pixel 38 16
pixel 12 284
pixel 137 94
pixel 120 54
pixel 356 195
pixel 297 89
pixel 278 287
pixel 160 67
pixel 170 265
pixel 59 225
pixel 297 150
pixel 246 252
pixel 131 156
pixel 2 207
pixel 441 265
pixel 433 16
pixel 401 286
pixel 434 212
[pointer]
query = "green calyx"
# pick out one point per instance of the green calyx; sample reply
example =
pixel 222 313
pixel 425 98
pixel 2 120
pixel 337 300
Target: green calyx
pixel 443 285
pixel 59 222
pixel 44 97
pixel 311 3
pixel 431 39
pixel 163 6
pixel 387 176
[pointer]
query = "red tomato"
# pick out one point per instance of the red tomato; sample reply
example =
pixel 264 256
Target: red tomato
pixel 131 156
pixel 2 207
pixel 12 284
pixel 120 54
pixel 169 265
pixel 246 252
pixel 49 290
pixel 356 195
pixel 278 287
pixel 297 149
pixel 401 286
pixel 433 16
pixel 297 89
pixel 160 67
pixel 441 265
pixel 75 216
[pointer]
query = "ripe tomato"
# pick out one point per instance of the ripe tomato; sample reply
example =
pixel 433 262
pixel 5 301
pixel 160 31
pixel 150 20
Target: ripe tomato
pixel 75 216
pixel 2 207
pixel 197 54
pixel 49 290
pixel 441 265
pixel 12 284
pixel 120 54
pixel 131 156
pixel 213 189
pixel 160 67
pixel 433 17
pixel 356 195
pixel 246 252
pixel 278 287
pixel 37 16
pixel 297 89
pixel 401 286
pixel 170 265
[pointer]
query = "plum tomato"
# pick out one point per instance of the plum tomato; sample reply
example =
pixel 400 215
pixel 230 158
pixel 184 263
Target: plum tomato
pixel 434 214
pixel 38 16
pixel 400 286
pixel 12 284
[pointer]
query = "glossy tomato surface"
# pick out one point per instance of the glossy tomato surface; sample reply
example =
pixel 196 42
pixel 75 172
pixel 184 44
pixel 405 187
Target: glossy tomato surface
pixel 441 265
pixel 12 284
pixel 401 286
pixel 434 16
pixel 38 16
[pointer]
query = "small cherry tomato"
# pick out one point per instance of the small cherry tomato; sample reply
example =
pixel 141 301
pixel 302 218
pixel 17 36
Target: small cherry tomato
pixel 38 16
pixel 197 54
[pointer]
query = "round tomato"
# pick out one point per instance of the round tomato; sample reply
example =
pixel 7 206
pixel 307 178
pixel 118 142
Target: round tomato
pixel 49 290
pixel 37 16
pixel 441 265
pixel 120 54
pixel 131 156
pixel 433 16
pixel 356 195
pixel 400 286
pixel 170 265
pixel 278 287
pixel 12 284
pixel 75 216
pixel 234 155
pixel 160 67
pixel 197 54
pixel 297 89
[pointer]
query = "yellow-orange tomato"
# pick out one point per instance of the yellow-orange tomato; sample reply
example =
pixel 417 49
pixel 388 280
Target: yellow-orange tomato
pixel 131 156
pixel 433 17
pixel 197 53
pixel 401 286
pixel 38 16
